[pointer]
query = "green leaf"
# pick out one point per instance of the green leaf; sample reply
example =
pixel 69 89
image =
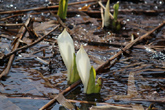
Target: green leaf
pixel 92 88
pixel 118 27
pixel 115 7
pixel 98 85
pixel 74 76
pixel 62 10
pixel 91 82
pixel 115 24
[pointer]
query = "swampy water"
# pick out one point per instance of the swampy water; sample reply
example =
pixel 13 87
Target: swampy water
pixel 137 77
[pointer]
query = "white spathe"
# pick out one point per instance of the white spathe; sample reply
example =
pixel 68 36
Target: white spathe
pixel 83 66
pixel 66 48
pixel 107 15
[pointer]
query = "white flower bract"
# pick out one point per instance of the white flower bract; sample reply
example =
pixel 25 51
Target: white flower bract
pixel 83 66
pixel 66 48
pixel 107 15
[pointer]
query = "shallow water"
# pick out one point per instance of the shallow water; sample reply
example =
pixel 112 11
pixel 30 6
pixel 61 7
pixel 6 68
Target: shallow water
pixel 30 78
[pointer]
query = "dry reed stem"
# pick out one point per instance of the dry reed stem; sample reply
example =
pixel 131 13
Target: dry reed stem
pixel 99 2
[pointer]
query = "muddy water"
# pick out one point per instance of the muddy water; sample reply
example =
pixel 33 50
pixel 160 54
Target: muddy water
pixel 29 78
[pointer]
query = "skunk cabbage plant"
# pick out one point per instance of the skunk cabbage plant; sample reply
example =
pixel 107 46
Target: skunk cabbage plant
pixel 67 52
pixel 111 21
pixel 115 7
pixel 115 24
pixel 87 73
pixel 106 15
pixel 62 10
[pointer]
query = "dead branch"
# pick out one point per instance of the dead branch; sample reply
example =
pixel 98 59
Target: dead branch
pixel 19 36
pixel 101 67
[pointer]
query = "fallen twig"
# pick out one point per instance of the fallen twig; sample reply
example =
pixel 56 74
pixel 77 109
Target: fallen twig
pixel 99 2
pixel 102 17
pixel 63 92
pixel 32 33
pixel 126 98
pixel 61 23
pixel 148 100
pixel 44 8
pixel 34 98
pixel 101 67
pixel 20 24
pixel 102 103
pixel 32 44
pixel 94 43
pixel 92 12
pixel 6 36
pixel 42 61
pixel 19 36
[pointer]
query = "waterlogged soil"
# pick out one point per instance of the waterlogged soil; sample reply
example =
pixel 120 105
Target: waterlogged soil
pixel 31 83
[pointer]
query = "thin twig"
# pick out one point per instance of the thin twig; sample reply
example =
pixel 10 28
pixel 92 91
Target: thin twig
pixel 63 92
pixel 102 103
pixel 44 8
pixel 19 36
pixel 32 33
pixel 61 23
pixel 92 12
pixel 102 17
pixel 101 67
pixel 6 36
pixel 20 24
pixel 95 43
pixel 126 97
pixel 34 98
pixel 99 2
pixel 32 44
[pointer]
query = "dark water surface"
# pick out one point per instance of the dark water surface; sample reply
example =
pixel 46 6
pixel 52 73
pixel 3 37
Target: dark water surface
pixel 31 83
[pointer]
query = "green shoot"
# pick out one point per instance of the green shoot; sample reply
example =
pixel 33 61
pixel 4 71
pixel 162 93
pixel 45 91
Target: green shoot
pixel 92 88
pixel 91 82
pixel 74 75
pixel 115 14
pixel 115 7
pixel 62 10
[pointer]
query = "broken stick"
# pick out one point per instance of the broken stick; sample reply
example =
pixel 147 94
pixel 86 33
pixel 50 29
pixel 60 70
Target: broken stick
pixel 101 67
pixel 32 44
pixel 16 45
